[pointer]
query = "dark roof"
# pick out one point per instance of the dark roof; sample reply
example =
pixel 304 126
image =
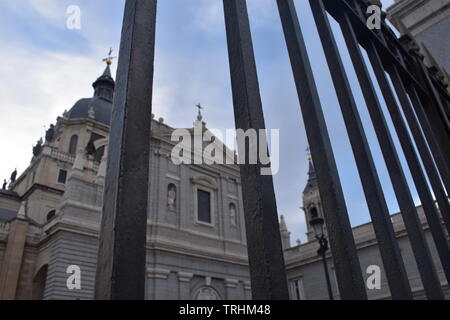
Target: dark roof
pixel 101 106
pixel 107 72
pixel 8 193
pixel 101 102
pixel 7 215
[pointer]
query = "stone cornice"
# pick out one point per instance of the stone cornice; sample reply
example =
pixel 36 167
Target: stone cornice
pixel 158 273
pixel 231 283
pixel 185 276
pixel 37 186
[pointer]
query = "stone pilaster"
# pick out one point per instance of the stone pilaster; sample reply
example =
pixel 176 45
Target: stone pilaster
pixel 248 290
pixel 159 290
pixel 184 282
pixel 231 289
pixel 12 262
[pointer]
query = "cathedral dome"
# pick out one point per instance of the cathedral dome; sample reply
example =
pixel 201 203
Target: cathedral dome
pixel 102 109
pixel 98 107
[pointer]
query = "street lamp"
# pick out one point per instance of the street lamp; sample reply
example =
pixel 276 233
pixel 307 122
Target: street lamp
pixel 317 225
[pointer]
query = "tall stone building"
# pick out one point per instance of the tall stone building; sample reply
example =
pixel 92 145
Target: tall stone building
pixel 428 22
pixel 305 268
pixel 312 205
pixel 50 215
pixel 196 243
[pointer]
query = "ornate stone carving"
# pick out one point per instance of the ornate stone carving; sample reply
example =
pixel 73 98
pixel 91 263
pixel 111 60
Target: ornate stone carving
pixel 172 197
pixel 37 149
pixel 207 293
pixel 50 133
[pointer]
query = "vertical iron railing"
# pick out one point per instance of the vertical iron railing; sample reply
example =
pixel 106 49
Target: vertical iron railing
pixel 265 252
pixel 350 16
pixel 417 103
pixel 121 265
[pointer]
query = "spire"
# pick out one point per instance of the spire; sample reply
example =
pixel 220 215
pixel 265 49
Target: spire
pixel 311 171
pixel 200 108
pixel 104 85
pixel 312 178
pixel 285 234
pixel 107 72
pixel 199 123
pixel 283 226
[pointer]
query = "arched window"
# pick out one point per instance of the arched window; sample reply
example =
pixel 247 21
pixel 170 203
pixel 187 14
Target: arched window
pixel 39 283
pixel 51 215
pixel 313 212
pixel 73 145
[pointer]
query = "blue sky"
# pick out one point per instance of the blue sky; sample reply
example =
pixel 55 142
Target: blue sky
pixel 47 68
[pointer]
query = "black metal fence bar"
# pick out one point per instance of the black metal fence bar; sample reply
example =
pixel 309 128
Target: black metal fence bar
pixel 392 51
pixel 390 252
pixel 436 115
pixel 441 162
pixel 421 144
pixel 401 189
pixel 121 267
pixel 440 102
pixel 347 266
pixel 415 61
pixel 265 253
pixel 436 135
pixel 418 175
pixel 336 7
pixel 411 156
pixel 424 101
pixel 428 272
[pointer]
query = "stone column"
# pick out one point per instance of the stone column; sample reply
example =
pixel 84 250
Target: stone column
pixel 184 280
pixel 231 289
pixel 12 262
pixel 160 282
pixel 248 290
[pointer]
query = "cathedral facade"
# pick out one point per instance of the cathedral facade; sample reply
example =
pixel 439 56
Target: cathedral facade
pixel 428 22
pixel 50 215
pixel 196 243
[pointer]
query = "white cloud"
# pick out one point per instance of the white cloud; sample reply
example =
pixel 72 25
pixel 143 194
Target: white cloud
pixel 50 11
pixel 209 16
pixel 40 86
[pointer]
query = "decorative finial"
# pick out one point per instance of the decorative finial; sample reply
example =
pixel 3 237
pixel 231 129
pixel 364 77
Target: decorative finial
pixel 308 153
pixel 109 58
pixel 200 108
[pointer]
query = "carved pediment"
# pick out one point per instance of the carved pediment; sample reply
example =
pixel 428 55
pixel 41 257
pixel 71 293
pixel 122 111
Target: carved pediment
pixel 204 181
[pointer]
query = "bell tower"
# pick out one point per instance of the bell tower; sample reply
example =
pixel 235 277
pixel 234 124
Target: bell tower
pixel 312 205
